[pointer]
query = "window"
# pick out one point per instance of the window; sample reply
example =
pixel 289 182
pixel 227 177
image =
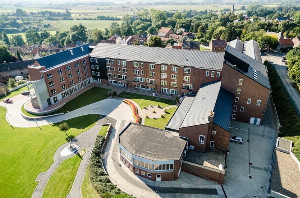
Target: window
pixel 91 60
pixel 233 116
pixel 163 75
pixel 249 101
pixel 212 74
pixel 112 61
pixel 61 79
pixel 119 69
pixel 93 66
pixel 242 109
pixel 136 64
pixel 85 68
pixel 124 70
pixel 258 102
pixel 137 171
pixel 240 81
pixel 53 91
pixel 55 99
pixel 149 175
pixel 78 72
pixel 137 72
pixel 49 76
pixel 59 71
pixel 151 66
pixel 108 68
pixel 42 76
pixel 51 84
pixel 234 108
pixel 173 91
pixel 174 84
pixel 76 64
pixel 152 74
pixel 123 63
pixel 119 62
pixel 201 139
pixel 212 144
pixel 113 68
pixel 97 67
pixel 174 69
pixel 218 74
pixel 72 82
pixel 142 65
pixel 107 61
pixel 86 75
pixel 163 82
pixel 237 99
pixel 214 132
pixel 143 172
pixel 96 60
pixel 98 73
pixel 68 67
pixel 83 62
pixel 207 73
pixel 238 91
pixel 187 78
pixel 70 75
pixel 63 87
pixel 79 79
pixel 174 76
pixel 142 72
pixel 187 70
pixel 163 67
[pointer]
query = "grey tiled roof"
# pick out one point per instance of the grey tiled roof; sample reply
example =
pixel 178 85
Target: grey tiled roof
pixel 254 67
pixel 237 44
pixel 176 120
pixel 203 105
pixel 252 50
pixel 194 58
pixel 151 143
pixel 19 65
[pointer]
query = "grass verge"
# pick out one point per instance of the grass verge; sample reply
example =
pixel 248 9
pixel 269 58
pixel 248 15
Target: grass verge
pixel 287 115
pixel 103 130
pixel 161 122
pixel 14 93
pixel 26 152
pixel 87 189
pixel 60 183
pixel 145 101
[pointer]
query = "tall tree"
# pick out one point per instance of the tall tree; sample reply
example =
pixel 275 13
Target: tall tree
pixel 77 33
pixel 5 39
pixel 44 35
pixel 5 55
pixel 96 36
pixel 19 56
pixel 154 41
pixel 32 36
pixel 17 40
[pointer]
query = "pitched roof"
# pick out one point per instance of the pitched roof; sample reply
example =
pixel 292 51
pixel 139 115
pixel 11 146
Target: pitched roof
pixel 223 109
pixel 193 58
pixel 218 43
pixel 237 44
pixel 286 41
pixel 252 50
pixel 255 70
pixel 15 65
pixel 203 105
pixel 190 44
pixel 151 143
pixel 164 29
pixel 65 56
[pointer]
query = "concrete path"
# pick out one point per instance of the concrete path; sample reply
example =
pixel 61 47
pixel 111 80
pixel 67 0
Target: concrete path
pixel 104 107
pixel 120 175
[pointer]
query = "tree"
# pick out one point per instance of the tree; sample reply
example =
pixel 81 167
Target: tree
pixel 17 40
pixel 5 39
pixel 79 33
pixel 44 35
pixel 114 29
pixel 20 12
pixel 32 36
pixel 11 83
pixel 63 126
pixel 297 18
pixel 126 29
pixel 5 55
pixel 268 42
pixel 19 56
pixel 154 41
pixel 151 30
pixel 96 36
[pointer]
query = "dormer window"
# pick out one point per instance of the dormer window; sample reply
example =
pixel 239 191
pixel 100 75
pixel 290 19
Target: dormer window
pixel 76 65
pixel 59 71
pixel 71 52
pixel 82 49
pixel 69 67
pixel 49 76
pixel 83 62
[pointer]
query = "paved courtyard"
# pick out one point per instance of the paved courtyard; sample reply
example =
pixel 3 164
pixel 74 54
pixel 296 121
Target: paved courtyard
pixel 249 165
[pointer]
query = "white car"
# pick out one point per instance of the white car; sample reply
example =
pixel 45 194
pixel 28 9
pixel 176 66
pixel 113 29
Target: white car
pixel 236 139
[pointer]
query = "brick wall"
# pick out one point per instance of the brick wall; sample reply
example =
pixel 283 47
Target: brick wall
pixel 221 138
pixel 249 89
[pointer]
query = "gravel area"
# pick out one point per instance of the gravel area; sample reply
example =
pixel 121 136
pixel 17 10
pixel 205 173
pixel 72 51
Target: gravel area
pixel 286 175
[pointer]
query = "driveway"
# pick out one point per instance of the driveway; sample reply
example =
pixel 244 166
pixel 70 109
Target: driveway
pixel 281 69
pixel 104 107
pixel 249 165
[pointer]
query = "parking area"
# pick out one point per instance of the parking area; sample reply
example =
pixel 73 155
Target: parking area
pixel 249 164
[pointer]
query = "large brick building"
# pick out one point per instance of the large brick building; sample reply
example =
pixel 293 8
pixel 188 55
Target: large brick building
pixel 168 71
pixel 58 76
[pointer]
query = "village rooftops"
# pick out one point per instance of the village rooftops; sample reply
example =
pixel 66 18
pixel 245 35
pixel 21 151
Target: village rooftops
pixel 19 65
pixel 64 57
pixel 151 143
pixel 217 43
pixel 157 55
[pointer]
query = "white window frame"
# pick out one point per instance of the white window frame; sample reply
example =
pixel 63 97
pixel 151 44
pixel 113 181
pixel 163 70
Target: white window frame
pixel 249 101
pixel 174 69
pixel 237 99
pixel 213 74
pixel 212 144
pixel 242 109
pixel 258 102
pixel 240 81
pixel 163 75
pixel 163 67
pixel 233 116
pixel 238 91
pixel 218 74
pixel 201 141
pixel 207 73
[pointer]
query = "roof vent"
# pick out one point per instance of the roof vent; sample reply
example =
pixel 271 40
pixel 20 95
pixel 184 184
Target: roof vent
pixel 81 48
pixel 71 52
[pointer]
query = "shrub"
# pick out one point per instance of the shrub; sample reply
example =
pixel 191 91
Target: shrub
pixel 11 83
pixel 63 126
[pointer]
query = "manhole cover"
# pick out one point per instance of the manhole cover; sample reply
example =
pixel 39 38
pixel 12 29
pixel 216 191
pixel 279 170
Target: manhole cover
pixel 250 177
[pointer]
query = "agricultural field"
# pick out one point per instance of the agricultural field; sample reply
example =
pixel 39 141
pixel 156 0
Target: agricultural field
pixel 24 36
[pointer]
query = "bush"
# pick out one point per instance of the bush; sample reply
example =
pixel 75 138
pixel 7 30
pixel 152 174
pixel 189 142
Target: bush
pixel 11 83
pixel 63 126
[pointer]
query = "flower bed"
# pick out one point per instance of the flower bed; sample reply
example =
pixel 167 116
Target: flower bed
pixel 134 110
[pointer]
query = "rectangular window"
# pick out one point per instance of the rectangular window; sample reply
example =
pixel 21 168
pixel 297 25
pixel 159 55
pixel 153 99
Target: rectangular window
pixel 242 109
pixel 85 68
pixel 187 70
pixel 124 70
pixel 174 76
pixel 53 91
pixel 83 62
pixel 174 69
pixel 142 72
pixel 72 82
pixel 123 63
pixel 143 172
pixel 113 68
pixel 233 116
pixel 119 69
pixel 63 87
pixel 79 79
pixel 207 73
pixel 201 139
pixel 258 102
pixel 108 68
pixel 238 91
pixel 93 66
pixel 218 74
pixel 151 66
pixel 49 76
pixel 78 72
pixel 212 74
pixel 137 72
pixel 70 75
pixel 163 67
pixel 69 67
pixel 137 171
pixel 119 62
pixel 240 81
pixel 149 175
pixel 107 61
pixel 91 60
pixel 237 99
pixel 97 67
pixel 211 144
pixel 187 78
pixel 51 84
pixel 136 64
pixel 76 65
pixel 59 71
pixel 249 101
pixel 61 79
pixel 112 61
pixel 163 75
pixel 174 84
pixel 142 65
pixel 234 108
pixel 163 82
pixel 152 74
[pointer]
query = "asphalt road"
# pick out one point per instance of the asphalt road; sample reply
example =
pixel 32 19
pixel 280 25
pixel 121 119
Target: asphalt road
pixel 281 69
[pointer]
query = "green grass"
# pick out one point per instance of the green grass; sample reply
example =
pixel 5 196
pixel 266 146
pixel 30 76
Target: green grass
pixel 161 122
pixel 60 183
pixel 14 93
pixel 26 152
pixel 103 130
pixel 145 101
pixel 24 36
pixel 87 189
pixel 287 115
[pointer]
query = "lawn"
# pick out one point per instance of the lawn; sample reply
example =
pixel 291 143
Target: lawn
pixel 24 36
pixel 287 115
pixel 161 122
pixel 145 101
pixel 14 93
pixel 87 190
pixel 60 183
pixel 26 152
pixel 103 130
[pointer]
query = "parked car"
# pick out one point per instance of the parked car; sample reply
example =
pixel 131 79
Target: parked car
pixel 25 93
pixel 236 139
pixel 7 100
